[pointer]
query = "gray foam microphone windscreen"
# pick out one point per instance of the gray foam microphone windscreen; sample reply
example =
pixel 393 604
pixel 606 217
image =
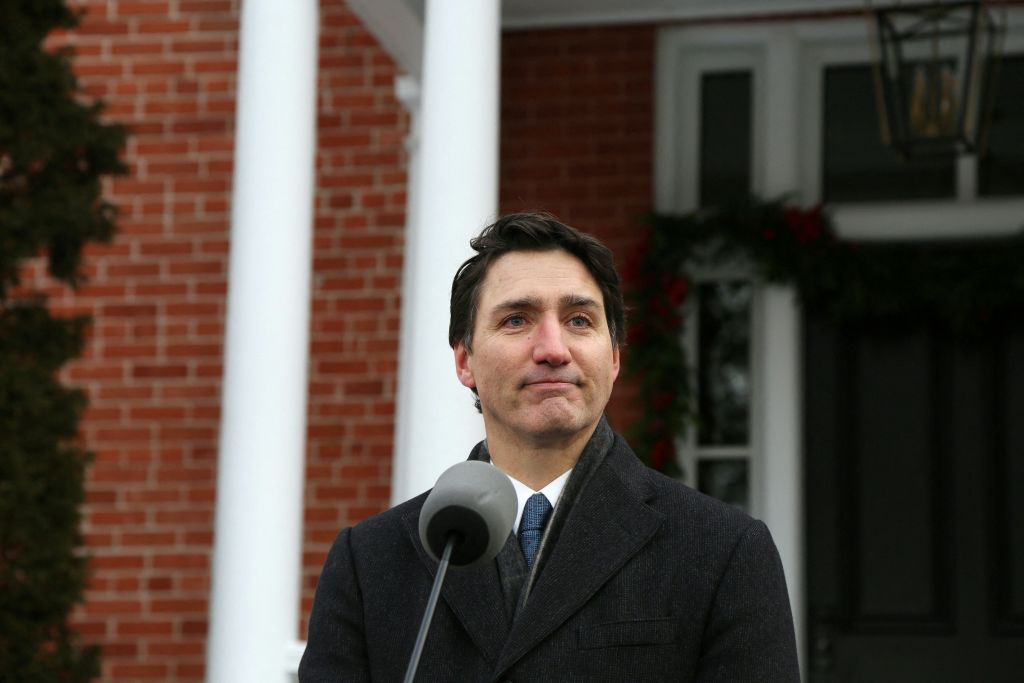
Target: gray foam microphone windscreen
pixel 476 502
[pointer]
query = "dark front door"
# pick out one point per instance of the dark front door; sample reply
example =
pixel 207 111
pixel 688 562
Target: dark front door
pixel 914 450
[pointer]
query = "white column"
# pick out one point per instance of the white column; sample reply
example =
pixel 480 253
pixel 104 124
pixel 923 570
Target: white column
pixel 258 533
pixel 783 461
pixel 453 193
pixel 781 395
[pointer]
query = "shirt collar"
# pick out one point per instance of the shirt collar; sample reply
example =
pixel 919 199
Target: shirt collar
pixel 553 491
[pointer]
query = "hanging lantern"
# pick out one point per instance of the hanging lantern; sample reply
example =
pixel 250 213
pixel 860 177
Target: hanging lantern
pixel 934 69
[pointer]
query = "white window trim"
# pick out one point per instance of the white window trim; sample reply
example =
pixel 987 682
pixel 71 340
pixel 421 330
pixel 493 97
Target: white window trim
pixel 681 69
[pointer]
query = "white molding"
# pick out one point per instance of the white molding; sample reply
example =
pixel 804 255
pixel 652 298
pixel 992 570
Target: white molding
pixel 846 42
pixel 781 117
pixel 781 417
pixel 545 14
pixel 409 92
pixel 397 28
pixel 538 14
pixel 679 66
pixel 929 220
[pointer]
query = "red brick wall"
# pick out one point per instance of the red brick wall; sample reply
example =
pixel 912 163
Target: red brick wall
pixel 576 138
pixel 576 141
pixel 152 370
pixel 153 364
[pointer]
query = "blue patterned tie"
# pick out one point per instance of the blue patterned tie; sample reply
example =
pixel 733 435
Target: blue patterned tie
pixel 531 527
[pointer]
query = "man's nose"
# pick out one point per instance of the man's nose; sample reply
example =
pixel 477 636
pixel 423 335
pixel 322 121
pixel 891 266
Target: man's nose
pixel 549 343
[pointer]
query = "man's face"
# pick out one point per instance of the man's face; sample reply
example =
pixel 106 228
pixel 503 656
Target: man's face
pixel 543 361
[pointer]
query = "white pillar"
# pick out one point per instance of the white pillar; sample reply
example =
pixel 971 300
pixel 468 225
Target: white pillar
pixel 783 461
pixel 453 193
pixel 781 395
pixel 258 533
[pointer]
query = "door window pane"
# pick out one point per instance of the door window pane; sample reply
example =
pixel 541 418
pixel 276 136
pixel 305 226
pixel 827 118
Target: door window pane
pixel 727 479
pixel 1001 169
pixel 857 167
pixel 723 326
pixel 725 124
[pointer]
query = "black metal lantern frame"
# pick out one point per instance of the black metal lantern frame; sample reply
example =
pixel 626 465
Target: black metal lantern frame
pixel 936 63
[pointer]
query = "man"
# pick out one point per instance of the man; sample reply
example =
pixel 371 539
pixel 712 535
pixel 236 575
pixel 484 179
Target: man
pixel 632 577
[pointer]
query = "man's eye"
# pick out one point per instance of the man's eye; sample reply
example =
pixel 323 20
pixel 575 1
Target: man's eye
pixel 579 321
pixel 515 321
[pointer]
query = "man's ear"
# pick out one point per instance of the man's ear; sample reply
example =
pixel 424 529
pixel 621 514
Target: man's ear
pixel 463 366
pixel 615 362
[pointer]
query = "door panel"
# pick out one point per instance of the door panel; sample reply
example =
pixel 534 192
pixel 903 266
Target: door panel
pixel 914 446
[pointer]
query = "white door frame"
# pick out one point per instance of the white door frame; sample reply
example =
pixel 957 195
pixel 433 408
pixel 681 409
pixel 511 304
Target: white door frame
pixel 785 60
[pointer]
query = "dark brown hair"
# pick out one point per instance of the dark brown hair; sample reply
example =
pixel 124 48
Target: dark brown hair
pixel 532 232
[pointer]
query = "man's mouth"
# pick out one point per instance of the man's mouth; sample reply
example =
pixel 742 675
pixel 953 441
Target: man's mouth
pixel 550 381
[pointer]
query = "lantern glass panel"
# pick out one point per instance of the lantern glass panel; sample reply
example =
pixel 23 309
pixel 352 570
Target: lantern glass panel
pixel 933 59
pixel 1001 167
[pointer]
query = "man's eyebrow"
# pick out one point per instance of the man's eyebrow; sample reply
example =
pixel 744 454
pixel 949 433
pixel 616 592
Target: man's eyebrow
pixel 530 302
pixel 578 301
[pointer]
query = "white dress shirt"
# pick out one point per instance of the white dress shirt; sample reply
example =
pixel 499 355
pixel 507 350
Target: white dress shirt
pixel 552 492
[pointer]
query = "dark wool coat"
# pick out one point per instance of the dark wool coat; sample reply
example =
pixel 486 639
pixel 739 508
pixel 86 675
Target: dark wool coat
pixel 646 580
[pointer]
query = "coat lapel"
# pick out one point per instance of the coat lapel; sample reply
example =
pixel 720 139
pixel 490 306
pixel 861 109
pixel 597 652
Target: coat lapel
pixel 474 595
pixel 607 526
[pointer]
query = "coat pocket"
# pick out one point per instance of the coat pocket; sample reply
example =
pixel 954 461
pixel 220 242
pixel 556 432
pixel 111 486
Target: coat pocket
pixel 623 633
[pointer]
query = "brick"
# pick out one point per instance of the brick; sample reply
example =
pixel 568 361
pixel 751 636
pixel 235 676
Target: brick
pixel 115 392
pixel 135 672
pixel 93 630
pixel 115 649
pixel 216 7
pixel 162 26
pixel 159 371
pixel 133 270
pixel 117 518
pixel 197 267
pixel 136 49
pixel 166 248
pixel 100 606
pixel 142 628
pixel 177 649
pixel 148 539
pixel 194 627
pixel 151 496
pixel 168 147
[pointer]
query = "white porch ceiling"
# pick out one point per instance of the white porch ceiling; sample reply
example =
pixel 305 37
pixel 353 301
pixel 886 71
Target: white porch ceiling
pixel 553 13
pixel 398 24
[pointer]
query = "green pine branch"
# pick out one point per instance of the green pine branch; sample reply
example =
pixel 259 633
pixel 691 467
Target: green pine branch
pixel 54 152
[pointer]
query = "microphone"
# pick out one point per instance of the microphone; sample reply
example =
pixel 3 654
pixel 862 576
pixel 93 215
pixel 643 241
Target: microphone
pixel 474 502
pixel 464 521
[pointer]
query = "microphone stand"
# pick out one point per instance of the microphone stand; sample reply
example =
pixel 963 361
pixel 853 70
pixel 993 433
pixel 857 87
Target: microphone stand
pixel 428 615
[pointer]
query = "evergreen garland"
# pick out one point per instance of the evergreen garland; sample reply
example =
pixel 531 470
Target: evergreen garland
pixel 53 153
pixel 967 285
